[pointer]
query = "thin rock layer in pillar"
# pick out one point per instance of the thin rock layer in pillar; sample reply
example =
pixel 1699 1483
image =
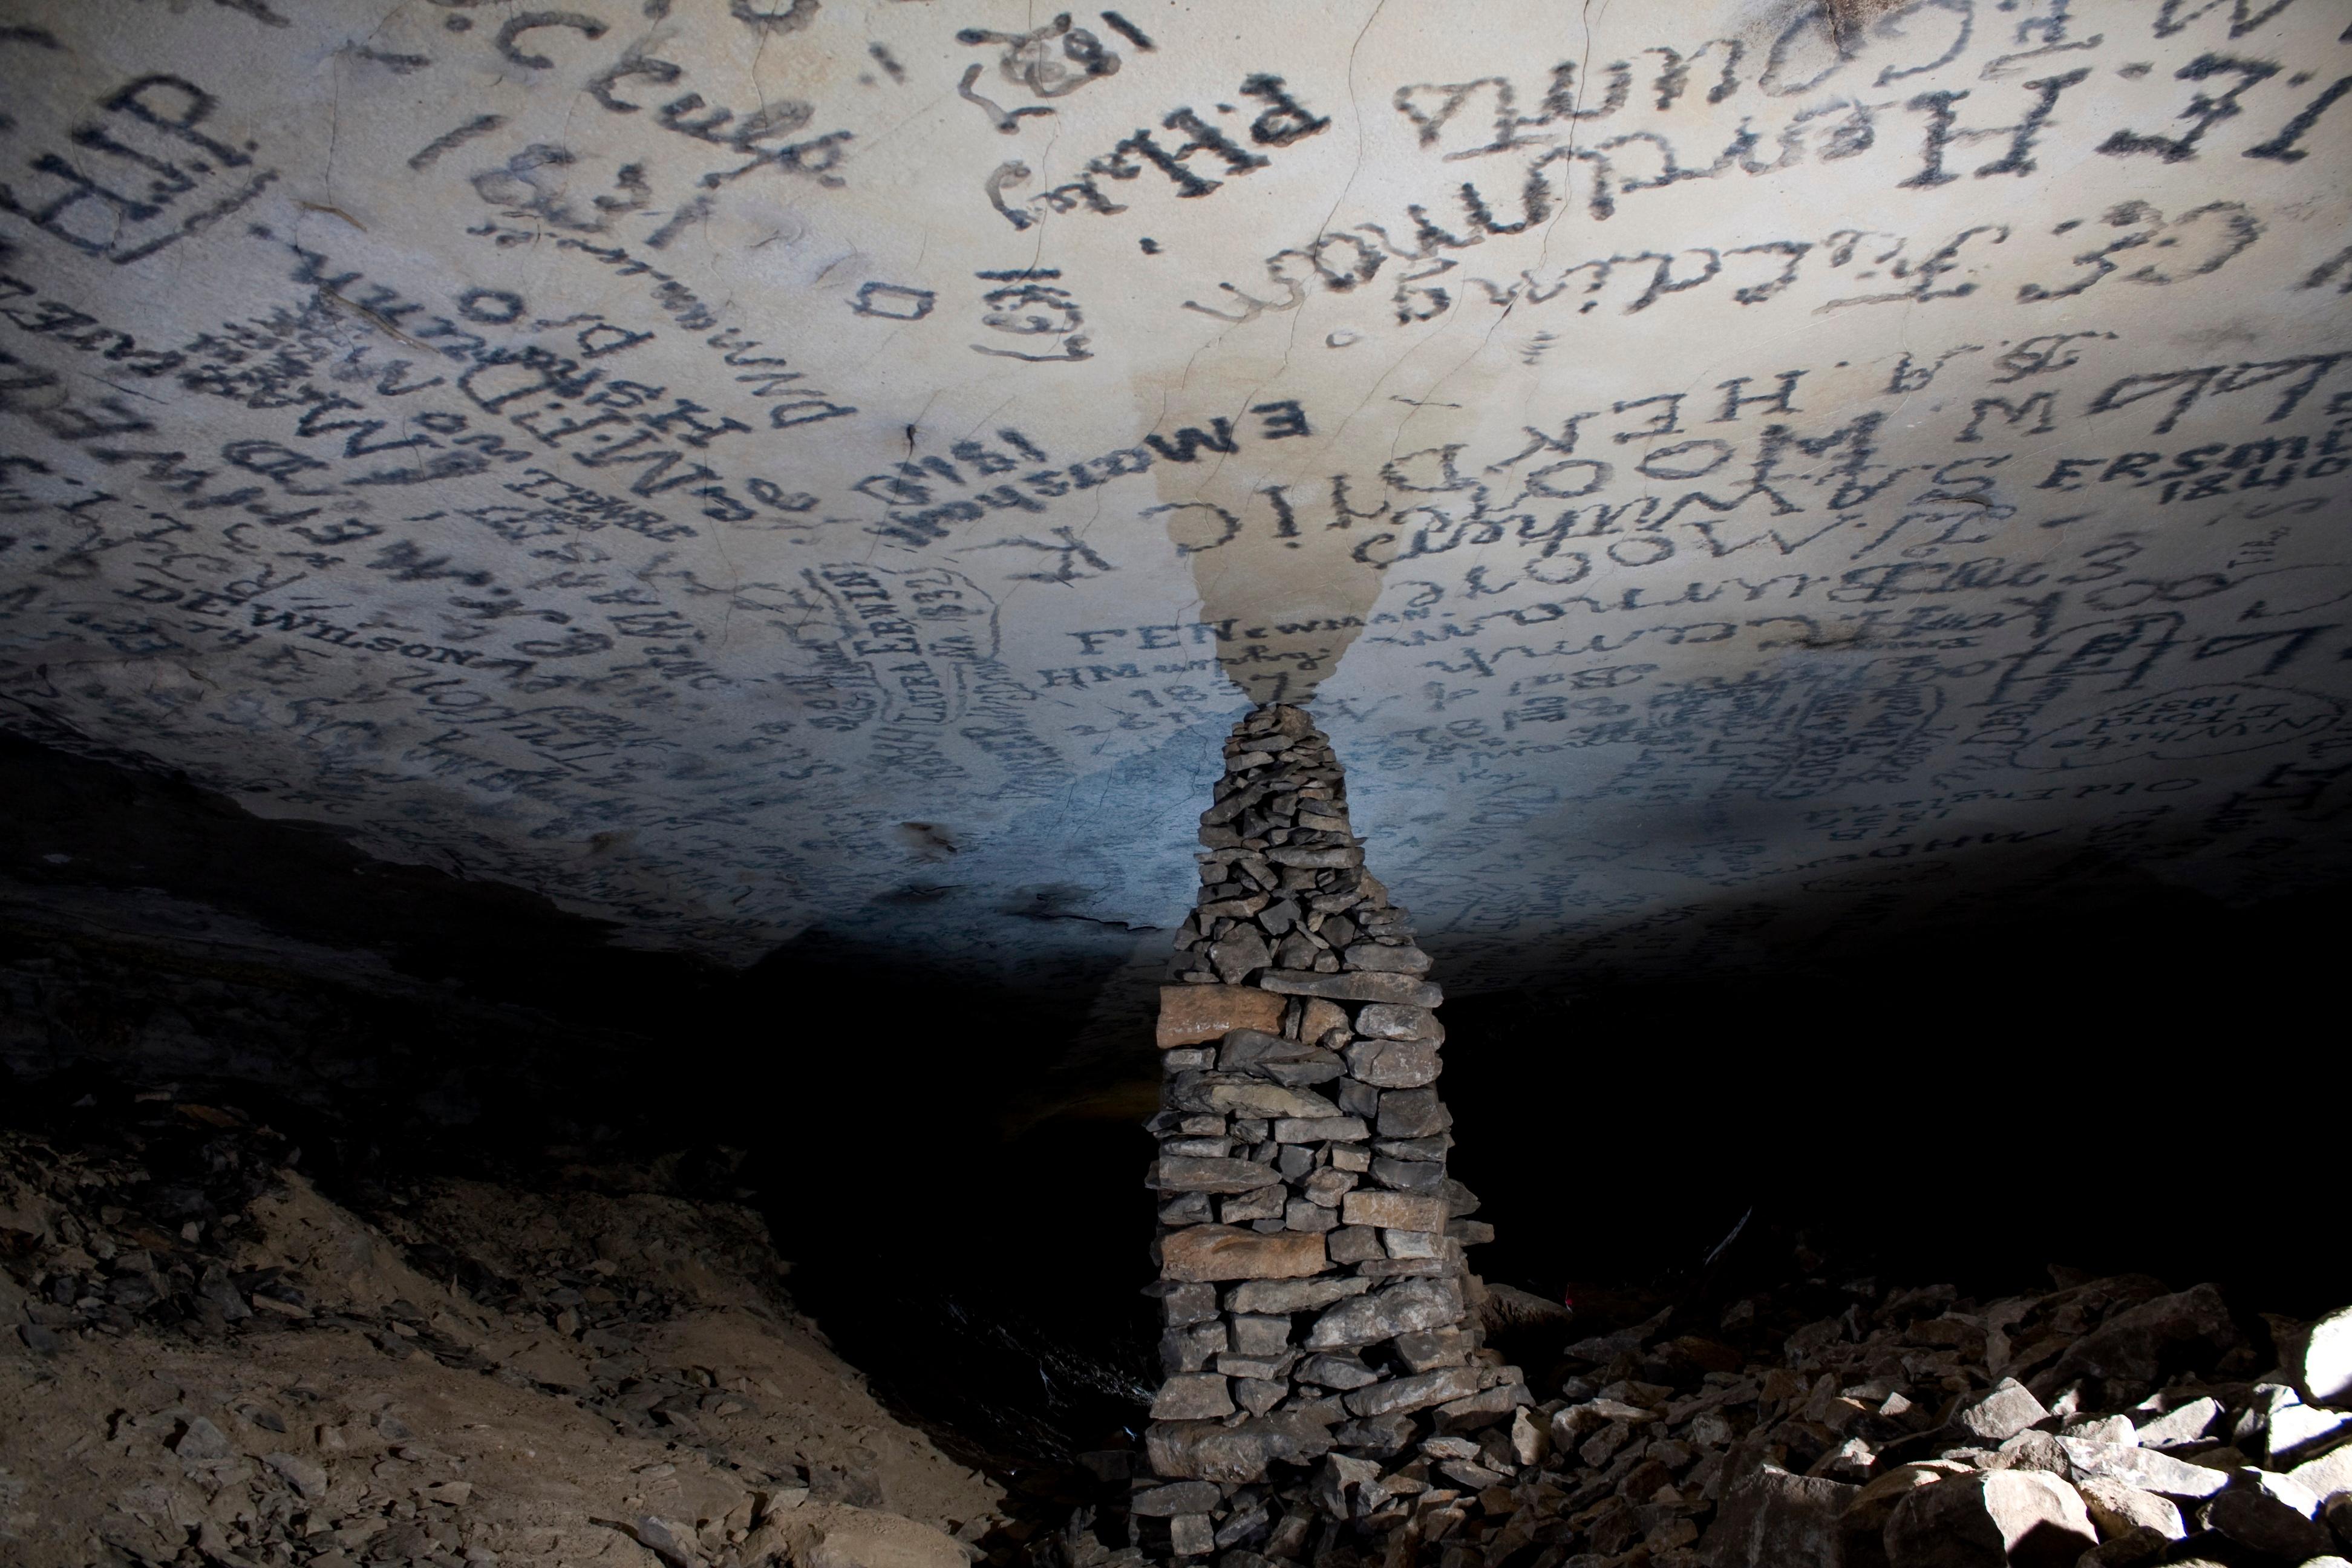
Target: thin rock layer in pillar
pixel 1322 1351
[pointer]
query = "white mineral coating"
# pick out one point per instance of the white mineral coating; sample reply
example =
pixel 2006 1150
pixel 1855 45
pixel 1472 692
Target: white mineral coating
pixel 713 462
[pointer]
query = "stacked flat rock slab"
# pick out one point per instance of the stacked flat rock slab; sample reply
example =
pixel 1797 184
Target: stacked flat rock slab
pixel 1321 1335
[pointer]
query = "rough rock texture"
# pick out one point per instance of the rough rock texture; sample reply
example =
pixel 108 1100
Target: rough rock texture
pixel 1303 1168
pixel 225 1366
pixel 1817 1425
pixel 2024 1517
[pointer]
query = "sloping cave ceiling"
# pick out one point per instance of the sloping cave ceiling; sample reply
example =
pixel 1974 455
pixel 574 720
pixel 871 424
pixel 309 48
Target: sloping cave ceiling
pixel 1727 475
pixel 692 560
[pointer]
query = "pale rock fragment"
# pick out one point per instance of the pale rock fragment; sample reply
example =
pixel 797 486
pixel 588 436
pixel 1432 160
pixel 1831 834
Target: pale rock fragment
pixel 2133 1348
pixel 1318 1017
pixel 1212 1451
pixel 2032 1450
pixel 2002 1413
pixel 1774 1517
pixel 1258 1396
pixel 1322 857
pixel 1193 1396
pixel 1397 1021
pixel 1341 1371
pixel 1193 1349
pixel 1413 1113
pixel 1416 1392
pixel 1863 1525
pixel 1338 1476
pixel 1398 1308
pixel 1849 1461
pixel 2144 1469
pixel 2000 1519
pixel 201 1442
pixel 2255 1519
pixel 2104 1429
pixel 2285 1489
pixel 1264 1203
pixel 1293 1295
pixel 1425 1351
pixel 1320 1129
pixel 1191 1535
pixel 1183 1304
pixel 1242 1049
pixel 2134 1547
pixel 2322 1363
pixel 1177 1497
pixel 870 1538
pixel 1394 1211
pixel 1239 954
pixel 1530 1443
pixel 1359 986
pixel 2118 1508
pixel 1247 1097
pixel 307 1477
pixel 1182 1174
pixel 1393 1064
pixel 2185 1424
pixel 2297 1429
pixel 2327 1476
pixel 1381 958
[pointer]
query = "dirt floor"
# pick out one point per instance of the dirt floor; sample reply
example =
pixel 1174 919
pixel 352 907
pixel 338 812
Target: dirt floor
pixel 205 1360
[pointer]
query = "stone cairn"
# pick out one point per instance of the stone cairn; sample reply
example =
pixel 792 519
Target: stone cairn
pixel 1321 1344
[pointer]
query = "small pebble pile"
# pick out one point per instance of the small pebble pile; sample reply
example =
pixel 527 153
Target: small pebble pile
pixel 1321 1339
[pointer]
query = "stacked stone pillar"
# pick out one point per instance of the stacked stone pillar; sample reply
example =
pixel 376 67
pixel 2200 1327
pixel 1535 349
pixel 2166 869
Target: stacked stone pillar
pixel 1322 1351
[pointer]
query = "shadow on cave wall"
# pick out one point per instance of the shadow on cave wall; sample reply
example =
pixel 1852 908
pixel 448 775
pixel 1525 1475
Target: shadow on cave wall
pixel 2138 1080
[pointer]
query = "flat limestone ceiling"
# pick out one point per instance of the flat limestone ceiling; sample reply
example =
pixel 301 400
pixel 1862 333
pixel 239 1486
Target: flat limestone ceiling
pixel 1724 472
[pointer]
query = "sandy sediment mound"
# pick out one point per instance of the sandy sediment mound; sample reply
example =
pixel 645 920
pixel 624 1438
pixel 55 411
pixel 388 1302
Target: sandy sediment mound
pixel 215 1363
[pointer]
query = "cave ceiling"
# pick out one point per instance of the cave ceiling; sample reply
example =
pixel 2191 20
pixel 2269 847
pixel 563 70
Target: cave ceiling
pixel 1722 472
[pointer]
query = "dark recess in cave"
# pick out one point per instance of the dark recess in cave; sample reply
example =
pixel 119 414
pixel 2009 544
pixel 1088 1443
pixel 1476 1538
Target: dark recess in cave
pixel 2079 1079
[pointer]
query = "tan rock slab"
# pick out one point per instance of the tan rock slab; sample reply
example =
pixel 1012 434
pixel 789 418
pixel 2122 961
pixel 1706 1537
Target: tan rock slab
pixel 1176 1175
pixel 2002 1517
pixel 1394 1211
pixel 2116 1508
pixel 1195 1015
pixel 1222 1252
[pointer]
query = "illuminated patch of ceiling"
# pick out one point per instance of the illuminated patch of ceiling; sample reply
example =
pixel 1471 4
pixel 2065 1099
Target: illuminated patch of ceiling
pixel 1724 472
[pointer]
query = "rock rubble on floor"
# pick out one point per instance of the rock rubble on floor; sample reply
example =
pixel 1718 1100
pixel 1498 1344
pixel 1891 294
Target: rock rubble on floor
pixel 212 1363
pixel 2110 1423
